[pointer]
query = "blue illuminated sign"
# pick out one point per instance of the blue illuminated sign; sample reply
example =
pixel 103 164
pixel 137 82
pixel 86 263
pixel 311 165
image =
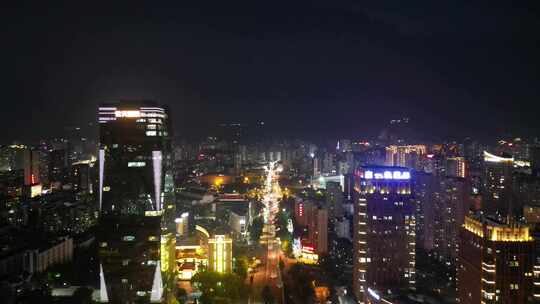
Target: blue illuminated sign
pixel 387 175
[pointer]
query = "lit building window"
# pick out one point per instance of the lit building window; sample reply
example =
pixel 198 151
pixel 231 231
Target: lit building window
pixel 136 164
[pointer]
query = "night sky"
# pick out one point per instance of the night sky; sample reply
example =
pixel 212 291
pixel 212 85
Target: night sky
pixel 327 68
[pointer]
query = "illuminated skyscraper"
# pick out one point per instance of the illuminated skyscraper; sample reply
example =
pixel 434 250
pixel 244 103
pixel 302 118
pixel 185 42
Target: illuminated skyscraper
pixel 136 240
pixel 384 231
pixel 497 184
pixel 220 254
pixel 496 263
pixel 405 156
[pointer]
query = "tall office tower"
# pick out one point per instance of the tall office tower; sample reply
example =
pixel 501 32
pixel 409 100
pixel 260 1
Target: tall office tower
pixel 497 184
pixel 237 163
pixel 31 167
pixel 220 254
pixel 136 238
pixel 405 156
pixel 384 231
pixel 44 164
pixel 456 167
pixel 496 263
pixel 6 156
pixel 450 204
pixel 316 166
pixel 81 176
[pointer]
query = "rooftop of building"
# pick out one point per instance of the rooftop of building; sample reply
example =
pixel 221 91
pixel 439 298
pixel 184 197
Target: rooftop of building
pixel 191 240
pixel 238 207
pixel 131 103
pixel 13 240
pixel 497 231
pixel 379 167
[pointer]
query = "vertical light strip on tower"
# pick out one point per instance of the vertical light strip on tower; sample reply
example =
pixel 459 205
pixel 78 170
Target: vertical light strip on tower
pixel 157 159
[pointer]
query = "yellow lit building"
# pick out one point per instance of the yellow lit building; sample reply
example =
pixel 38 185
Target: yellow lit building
pixel 220 254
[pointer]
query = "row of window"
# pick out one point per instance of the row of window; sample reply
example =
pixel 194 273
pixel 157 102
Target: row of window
pixel 130 238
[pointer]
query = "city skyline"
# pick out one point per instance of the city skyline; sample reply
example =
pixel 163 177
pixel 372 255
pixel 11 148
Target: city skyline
pixel 270 153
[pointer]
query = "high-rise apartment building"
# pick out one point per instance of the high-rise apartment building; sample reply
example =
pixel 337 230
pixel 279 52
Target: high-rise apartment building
pixel 334 199
pixel 496 263
pixel 318 230
pixel 312 216
pixel 424 189
pixel 136 239
pixel 384 231
pixel 456 167
pixel 450 203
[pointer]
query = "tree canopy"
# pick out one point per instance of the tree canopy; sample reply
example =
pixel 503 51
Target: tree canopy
pixel 219 287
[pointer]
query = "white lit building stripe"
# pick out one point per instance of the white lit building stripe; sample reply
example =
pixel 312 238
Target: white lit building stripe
pixel 157 159
pixel 101 169
pixel 103 296
pixel 488 157
pixel 157 285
